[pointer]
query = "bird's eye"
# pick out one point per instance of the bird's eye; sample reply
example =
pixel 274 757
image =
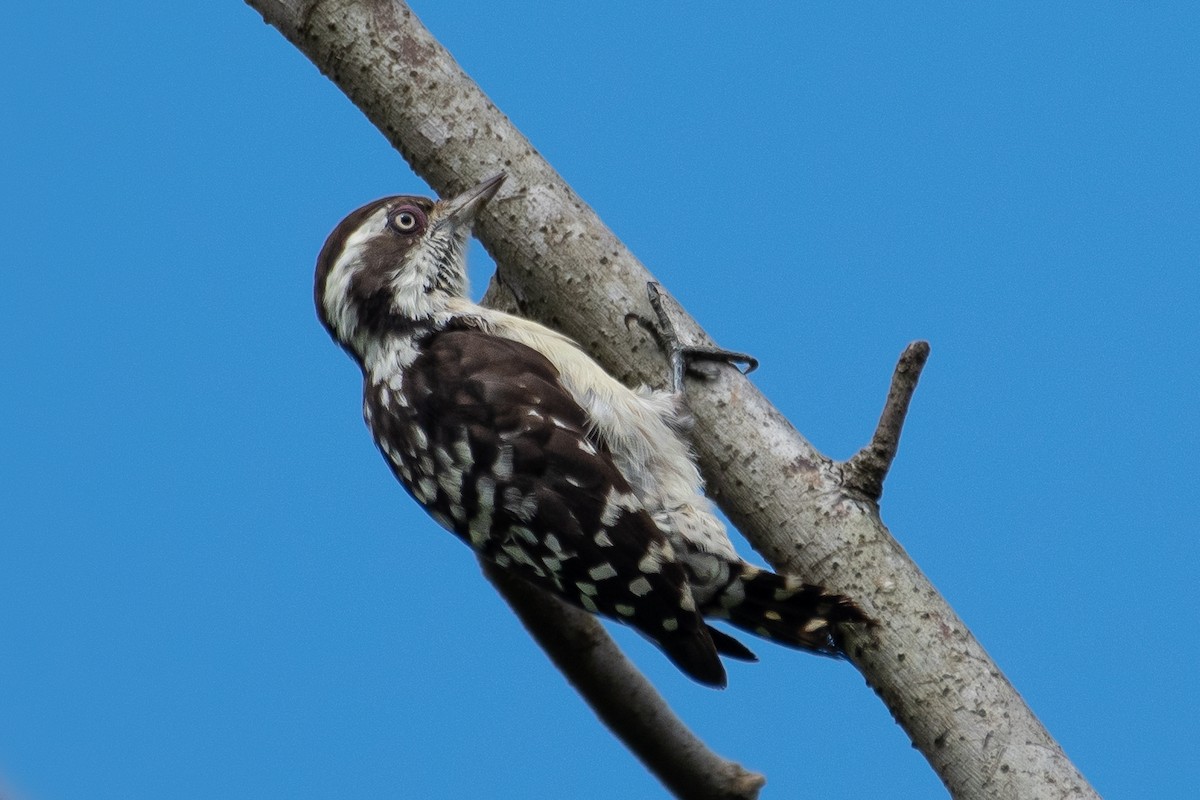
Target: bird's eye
pixel 407 219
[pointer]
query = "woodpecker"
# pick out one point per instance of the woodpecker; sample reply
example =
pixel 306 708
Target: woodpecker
pixel 516 441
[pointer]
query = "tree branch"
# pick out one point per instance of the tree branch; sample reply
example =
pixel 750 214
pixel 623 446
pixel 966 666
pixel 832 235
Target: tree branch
pixel 791 502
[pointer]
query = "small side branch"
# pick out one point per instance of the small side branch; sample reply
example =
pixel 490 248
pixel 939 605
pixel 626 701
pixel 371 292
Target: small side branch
pixel 866 469
pixel 622 697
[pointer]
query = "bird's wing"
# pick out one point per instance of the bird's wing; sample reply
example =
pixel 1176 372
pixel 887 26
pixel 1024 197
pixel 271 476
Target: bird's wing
pixel 504 459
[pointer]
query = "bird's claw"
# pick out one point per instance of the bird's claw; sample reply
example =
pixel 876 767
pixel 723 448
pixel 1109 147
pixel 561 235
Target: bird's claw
pixel 682 357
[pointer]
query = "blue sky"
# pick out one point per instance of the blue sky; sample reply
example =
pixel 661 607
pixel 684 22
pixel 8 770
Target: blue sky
pixel 211 585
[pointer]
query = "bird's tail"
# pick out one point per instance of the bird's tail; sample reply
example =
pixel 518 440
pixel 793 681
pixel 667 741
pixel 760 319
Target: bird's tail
pixel 785 610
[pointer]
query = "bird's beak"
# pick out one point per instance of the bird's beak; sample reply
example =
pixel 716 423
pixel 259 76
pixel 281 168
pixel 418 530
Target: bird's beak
pixel 461 210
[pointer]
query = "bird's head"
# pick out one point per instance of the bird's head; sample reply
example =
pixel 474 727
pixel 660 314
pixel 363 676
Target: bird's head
pixel 395 262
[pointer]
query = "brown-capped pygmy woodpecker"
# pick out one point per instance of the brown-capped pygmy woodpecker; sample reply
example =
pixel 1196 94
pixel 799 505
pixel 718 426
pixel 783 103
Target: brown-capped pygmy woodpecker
pixel 516 441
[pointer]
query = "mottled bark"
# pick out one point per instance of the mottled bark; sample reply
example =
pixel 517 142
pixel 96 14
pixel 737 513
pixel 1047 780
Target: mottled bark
pixel 806 514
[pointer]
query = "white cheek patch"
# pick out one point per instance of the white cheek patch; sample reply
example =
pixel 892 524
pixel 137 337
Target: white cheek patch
pixel 338 307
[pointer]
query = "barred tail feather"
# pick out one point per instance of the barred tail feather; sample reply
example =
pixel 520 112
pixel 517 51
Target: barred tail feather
pixel 785 610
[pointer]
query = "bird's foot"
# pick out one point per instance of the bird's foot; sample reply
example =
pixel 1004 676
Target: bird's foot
pixel 681 357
